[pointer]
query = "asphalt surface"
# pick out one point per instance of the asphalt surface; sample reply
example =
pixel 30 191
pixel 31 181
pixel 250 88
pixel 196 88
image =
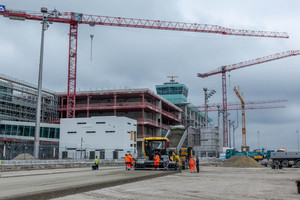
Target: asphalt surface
pixel 46 184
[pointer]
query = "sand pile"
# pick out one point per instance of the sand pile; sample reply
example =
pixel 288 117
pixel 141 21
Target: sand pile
pixel 241 161
pixel 27 156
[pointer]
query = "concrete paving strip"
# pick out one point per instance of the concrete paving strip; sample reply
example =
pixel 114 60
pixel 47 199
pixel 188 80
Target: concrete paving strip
pixel 47 171
pixel 211 183
pixel 46 186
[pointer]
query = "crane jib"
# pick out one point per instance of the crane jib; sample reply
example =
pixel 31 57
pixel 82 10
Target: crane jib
pixel 74 19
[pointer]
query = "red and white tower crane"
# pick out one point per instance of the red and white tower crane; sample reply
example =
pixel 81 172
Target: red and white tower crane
pixel 74 19
pixel 248 108
pixel 223 69
pixel 216 105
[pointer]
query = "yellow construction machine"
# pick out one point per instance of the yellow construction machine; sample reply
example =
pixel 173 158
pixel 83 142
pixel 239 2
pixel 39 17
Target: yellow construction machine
pixel 185 154
pixel 157 145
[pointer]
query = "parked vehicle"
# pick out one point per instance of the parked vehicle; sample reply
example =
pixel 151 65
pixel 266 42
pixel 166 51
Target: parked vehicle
pixel 285 159
pixel 256 155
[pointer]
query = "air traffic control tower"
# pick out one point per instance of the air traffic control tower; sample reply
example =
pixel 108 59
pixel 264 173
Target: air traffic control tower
pixel 177 94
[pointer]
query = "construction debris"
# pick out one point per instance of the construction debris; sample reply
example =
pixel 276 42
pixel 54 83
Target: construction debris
pixel 241 161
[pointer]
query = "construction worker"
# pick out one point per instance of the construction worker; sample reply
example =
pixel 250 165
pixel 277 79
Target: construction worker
pixel 156 162
pixel 96 163
pixel 197 164
pixel 166 161
pixel 132 160
pixel 192 164
pixel 127 161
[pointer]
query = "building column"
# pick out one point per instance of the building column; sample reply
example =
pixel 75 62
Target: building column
pixel 159 118
pixel 88 106
pixel 194 119
pixel 143 115
pixel 115 104
pixel 153 118
pixel 190 115
pixel 61 105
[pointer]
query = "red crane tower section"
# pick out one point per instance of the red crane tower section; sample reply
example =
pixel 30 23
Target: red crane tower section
pixel 226 68
pixel 74 19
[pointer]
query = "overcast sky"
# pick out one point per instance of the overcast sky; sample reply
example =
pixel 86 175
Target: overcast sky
pixel 142 58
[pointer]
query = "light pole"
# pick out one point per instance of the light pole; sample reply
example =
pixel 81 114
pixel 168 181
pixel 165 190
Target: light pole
pixel 206 97
pixel 45 26
pixel 219 111
pixel 81 141
pixel 297 139
pixel 258 139
pixel 229 136
pixel 231 123
pixel 234 128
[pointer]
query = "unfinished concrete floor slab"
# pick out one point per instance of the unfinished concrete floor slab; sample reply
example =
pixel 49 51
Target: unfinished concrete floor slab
pixel 212 183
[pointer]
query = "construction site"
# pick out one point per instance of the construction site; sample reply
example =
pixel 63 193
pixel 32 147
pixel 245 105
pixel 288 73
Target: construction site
pixel 135 108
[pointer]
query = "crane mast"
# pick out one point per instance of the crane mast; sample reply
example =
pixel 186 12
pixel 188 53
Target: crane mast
pixel 73 19
pixel 244 147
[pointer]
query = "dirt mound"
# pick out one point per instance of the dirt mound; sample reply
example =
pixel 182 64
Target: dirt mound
pixel 241 161
pixel 27 156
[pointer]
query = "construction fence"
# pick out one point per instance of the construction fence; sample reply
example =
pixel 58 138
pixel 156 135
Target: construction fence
pixel 48 151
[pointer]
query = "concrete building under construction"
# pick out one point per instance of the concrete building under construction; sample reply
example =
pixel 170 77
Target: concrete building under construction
pixel 153 113
pixel 18 101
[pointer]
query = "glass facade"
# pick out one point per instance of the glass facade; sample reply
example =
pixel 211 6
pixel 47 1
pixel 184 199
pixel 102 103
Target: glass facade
pixel 175 93
pixel 28 131
pixel 3 91
pixel 172 90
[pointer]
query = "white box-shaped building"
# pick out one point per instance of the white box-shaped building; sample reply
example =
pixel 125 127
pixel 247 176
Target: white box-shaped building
pixel 108 137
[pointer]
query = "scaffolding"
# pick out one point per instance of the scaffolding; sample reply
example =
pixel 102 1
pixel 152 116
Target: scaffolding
pixel 210 142
pixel 18 101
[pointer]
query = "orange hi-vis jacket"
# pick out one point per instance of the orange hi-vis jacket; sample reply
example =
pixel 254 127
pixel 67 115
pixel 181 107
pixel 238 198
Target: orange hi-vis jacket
pixel 192 161
pixel 131 159
pixel 156 158
pixel 127 159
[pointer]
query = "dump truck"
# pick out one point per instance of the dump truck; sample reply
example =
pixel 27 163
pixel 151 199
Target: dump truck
pixel 178 136
pixel 285 159
pixel 256 155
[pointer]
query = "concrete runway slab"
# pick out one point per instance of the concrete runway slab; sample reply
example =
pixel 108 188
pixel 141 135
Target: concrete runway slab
pixel 40 184
pixel 212 183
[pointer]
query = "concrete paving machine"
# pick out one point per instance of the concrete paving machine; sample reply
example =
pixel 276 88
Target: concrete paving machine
pixel 170 145
pixel 153 146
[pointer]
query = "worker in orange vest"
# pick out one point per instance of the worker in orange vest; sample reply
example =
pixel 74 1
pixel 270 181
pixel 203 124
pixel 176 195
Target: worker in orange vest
pixel 156 162
pixel 127 161
pixel 131 160
pixel 192 164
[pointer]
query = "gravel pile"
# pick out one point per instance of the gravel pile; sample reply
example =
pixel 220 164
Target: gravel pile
pixel 27 156
pixel 241 161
